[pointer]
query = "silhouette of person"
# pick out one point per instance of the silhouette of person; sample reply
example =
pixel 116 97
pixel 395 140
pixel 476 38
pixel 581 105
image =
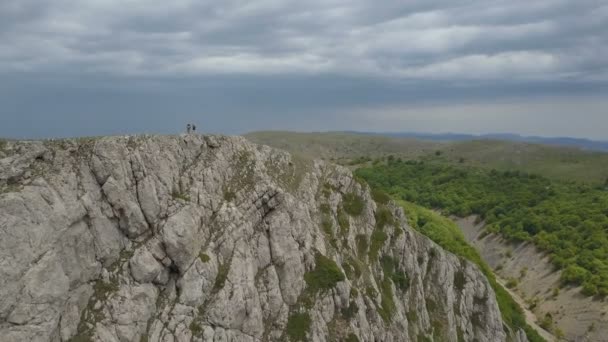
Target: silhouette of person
pixel 193 128
pixel 188 127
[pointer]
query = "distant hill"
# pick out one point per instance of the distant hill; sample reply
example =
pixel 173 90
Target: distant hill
pixel 349 148
pixel 586 144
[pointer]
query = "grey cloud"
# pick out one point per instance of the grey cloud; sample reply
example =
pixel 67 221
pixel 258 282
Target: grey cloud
pixel 113 66
pixel 388 39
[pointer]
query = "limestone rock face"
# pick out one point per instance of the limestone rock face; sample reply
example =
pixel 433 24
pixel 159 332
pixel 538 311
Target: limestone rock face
pixel 212 238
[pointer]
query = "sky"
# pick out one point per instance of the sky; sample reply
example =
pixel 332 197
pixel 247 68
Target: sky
pixel 101 67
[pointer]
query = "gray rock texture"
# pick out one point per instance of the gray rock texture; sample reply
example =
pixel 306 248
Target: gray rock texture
pixel 212 238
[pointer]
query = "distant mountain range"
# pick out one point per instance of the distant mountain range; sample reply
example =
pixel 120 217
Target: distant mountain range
pixel 585 144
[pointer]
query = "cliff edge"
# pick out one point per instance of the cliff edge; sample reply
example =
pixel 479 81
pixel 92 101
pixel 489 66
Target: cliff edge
pixel 213 238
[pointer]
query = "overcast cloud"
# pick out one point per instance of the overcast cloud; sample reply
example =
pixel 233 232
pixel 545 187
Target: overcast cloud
pixel 110 67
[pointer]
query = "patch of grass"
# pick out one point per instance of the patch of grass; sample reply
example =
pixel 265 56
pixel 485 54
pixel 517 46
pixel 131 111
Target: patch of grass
pixel 204 257
pixel 327 226
pixel 378 239
pixel 547 322
pixel 196 328
pixel 512 283
pixel 325 275
pixel 343 222
pixel 412 316
pixel 327 190
pixel 351 338
pixel 380 196
pixel 387 304
pixel 298 326
pixel 325 209
pixel 352 268
pixel 391 271
pixel 362 245
pixel 290 172
pixel 384 217
pixel 222 275
pixel 180 195
pixel 350 312
pixel 353 204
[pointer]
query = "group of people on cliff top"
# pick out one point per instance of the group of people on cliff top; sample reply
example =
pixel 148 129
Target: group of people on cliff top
pixel 190 128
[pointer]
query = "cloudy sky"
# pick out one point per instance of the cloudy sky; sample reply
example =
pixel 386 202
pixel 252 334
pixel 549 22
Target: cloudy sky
pixel 93 67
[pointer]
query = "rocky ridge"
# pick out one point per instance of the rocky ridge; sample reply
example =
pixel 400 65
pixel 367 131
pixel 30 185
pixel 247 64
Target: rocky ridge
pixel 212 238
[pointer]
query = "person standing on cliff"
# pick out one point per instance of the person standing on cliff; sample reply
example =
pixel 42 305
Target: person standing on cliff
pixel 188 127
pixel 193 128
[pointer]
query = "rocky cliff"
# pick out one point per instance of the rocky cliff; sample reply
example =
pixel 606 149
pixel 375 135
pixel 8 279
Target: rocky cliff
pixel 210 238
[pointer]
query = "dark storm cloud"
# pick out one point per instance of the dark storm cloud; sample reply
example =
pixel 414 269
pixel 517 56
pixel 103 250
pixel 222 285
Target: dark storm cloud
pixel 393 39
pixel 108 61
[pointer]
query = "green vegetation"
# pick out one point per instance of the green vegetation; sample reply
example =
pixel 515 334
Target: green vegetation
pixel 380 196
pixel 222 275
pixel 196 328
pixel 384 217
pixel 362 244
pixel 447 234
pixel 298 325
pixel 387 305
pixel 567 220
pixel 343 222
pixel 180 195
pixel 399 278
pixel 554 162
pixel 204 257
pixel 353 204
pixel 351 338
pixel 377 241
pixel 325 275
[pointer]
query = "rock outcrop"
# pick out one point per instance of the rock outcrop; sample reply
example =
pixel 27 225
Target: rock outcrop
pixel 211 238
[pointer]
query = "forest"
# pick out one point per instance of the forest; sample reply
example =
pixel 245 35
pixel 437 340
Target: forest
pixel 568 220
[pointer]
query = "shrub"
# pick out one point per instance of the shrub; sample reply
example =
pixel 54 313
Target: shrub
pixel 380 196
pixel 574 274
pixel 384 217
pixel 547 322
pixel 179 195
pixel 204 257
pixel 362 244
pixel 390 269
pixel 196 328
pixel 378 239
pixel 222 275
pixel 353 204
pixel 387 304
pixel 512 283
pixel 343 222
pixel 325 209
pixel 298 325
pixel 325 275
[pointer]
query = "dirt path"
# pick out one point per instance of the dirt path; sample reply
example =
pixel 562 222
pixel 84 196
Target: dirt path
pixel 530 317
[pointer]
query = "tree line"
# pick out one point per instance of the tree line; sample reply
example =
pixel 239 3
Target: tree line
pixel 567 220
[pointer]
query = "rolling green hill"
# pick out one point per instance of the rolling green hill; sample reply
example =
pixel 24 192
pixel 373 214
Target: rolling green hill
pixel 562 163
